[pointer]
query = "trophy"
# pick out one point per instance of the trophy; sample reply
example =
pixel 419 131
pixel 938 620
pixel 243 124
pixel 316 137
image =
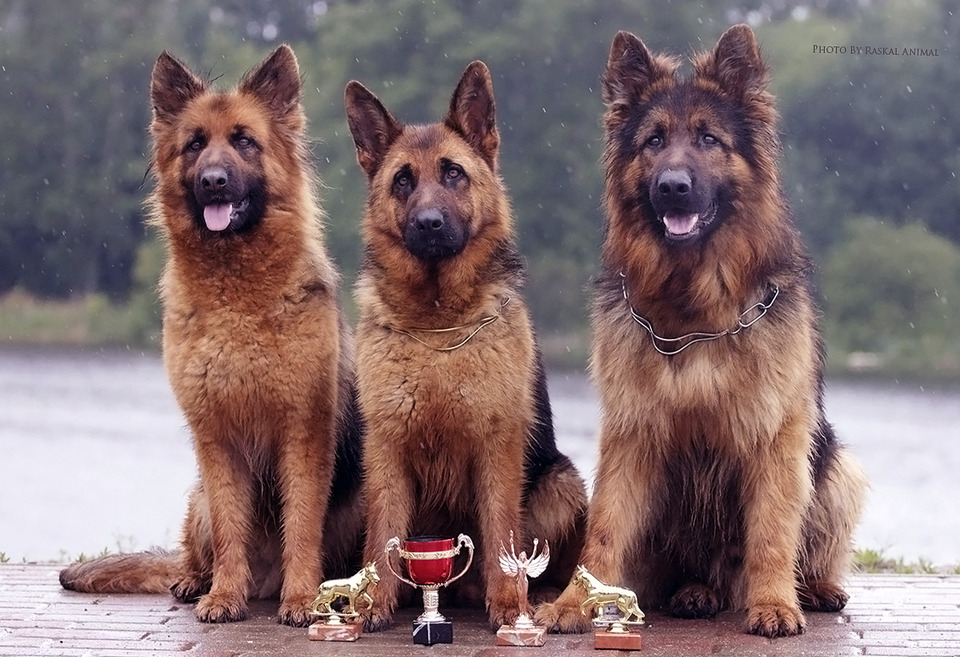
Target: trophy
pixel 429 562
pixel 617 613
pixel 343 625
pixel 523 632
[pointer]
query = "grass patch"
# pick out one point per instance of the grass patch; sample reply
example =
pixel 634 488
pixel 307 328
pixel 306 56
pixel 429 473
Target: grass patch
pixel 90 321
pixel 875 561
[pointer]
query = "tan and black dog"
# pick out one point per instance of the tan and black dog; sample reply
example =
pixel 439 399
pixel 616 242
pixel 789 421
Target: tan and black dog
pixel 256 351
pixel 450 380
pixel 720 484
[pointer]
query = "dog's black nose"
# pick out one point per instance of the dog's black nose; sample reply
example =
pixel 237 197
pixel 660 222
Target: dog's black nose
pixel 674 184
pixel 429 219
pixel 213 179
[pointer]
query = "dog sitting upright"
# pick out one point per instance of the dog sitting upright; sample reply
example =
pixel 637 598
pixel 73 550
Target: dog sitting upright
pixel 450 379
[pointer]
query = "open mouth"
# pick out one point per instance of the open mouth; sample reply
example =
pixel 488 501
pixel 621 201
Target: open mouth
pixel 681 226
pixel 219 216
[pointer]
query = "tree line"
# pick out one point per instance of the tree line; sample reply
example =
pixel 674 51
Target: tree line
pixel 869 140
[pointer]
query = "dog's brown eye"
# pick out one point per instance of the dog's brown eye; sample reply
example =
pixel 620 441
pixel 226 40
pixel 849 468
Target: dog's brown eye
pixel 655 141
pixel 454 172
pixel 195 145
pixel 709 140
pixel 402 181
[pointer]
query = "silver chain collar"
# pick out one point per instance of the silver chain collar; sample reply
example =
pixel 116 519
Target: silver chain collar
pixel 761 307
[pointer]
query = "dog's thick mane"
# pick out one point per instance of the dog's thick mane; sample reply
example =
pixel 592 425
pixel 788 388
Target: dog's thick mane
pixel 759 245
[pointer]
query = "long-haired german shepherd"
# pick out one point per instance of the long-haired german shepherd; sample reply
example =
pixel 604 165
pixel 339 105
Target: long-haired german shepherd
pixel 719 483
pixel 451 385
pixel 255 349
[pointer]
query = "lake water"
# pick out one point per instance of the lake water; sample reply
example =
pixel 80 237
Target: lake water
pixel 94 455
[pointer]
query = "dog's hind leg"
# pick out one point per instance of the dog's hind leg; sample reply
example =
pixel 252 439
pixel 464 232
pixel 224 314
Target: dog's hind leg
pixel 196 559
pixel 556 511
pixel 695 601
pixel 828 534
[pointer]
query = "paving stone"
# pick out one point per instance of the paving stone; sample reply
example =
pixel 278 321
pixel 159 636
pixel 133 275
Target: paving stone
pixel 888 616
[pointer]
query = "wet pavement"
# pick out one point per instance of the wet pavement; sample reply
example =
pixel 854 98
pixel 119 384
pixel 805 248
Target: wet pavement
pixel 892 616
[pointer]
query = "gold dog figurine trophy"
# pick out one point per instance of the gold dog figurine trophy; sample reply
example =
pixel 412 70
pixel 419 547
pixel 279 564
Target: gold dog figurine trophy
pixel 344 625
pixel 523 632
pixel 616 611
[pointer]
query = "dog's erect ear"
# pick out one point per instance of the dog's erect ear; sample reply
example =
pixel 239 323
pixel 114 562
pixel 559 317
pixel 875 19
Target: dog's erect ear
pixel 473 112
pixel 372 126
pixel 172 86
pixel 275 81
pixel 735 64
pixel 632 70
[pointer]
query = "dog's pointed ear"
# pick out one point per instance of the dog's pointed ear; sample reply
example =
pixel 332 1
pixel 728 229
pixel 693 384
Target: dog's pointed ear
pixel 631 70
pixel 373 128
pixel 172 86
pixel 472 112
pixel 735 63
pixel 275 81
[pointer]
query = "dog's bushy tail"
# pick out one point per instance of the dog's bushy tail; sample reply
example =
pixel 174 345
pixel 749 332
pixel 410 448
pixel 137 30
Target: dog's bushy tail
pixel 136 572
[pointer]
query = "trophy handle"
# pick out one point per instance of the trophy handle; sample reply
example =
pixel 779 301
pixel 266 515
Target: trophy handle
pixel 462 541
pixel 394 544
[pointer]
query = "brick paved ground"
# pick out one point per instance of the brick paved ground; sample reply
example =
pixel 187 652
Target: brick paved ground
pixel 887 615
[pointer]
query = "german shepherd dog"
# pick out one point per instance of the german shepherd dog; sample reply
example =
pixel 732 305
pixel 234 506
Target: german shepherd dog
pixel 451 385
pixel 256 351
pixel 719 482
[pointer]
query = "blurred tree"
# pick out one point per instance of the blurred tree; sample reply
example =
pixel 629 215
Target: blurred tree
pixel 877 134
pixel 862 134
pixel 889 289
pixel 73 157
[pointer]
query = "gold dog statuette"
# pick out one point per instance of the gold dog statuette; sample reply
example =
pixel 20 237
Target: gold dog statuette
pixel 523 632
pixel 345 624
pixel 617 616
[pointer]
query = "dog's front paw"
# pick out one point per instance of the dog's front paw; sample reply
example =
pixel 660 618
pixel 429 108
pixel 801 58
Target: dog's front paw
pixel 296 612
pixel 219 608
pixel 503 604
pixel 564 615
pixel 695 601
pixel 507 615
pixel 772 620
pixel 822 596
pixel 376 619
pixel 190 588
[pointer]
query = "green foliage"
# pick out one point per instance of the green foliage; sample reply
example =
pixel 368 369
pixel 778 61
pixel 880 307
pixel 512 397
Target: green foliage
pixel 894 291
pixel 863 135
pixel 93 319
pixel 875 561
pixel 874 134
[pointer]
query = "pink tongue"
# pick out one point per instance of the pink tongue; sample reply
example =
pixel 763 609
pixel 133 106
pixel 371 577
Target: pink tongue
pixel 217 216
pixel 680 224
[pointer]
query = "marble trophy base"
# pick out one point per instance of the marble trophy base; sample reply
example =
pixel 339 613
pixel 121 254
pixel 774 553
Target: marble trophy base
pixel 427 633
pixel 335 631
pixel 613 639
pixel 510 635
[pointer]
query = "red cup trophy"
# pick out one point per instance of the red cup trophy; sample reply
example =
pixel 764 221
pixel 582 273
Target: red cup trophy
pixel 618 617
pixel 429 563
pixel 343 625
pixel 523 632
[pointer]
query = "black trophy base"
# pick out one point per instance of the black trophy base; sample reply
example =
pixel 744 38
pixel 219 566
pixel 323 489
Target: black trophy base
pixel 431 632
